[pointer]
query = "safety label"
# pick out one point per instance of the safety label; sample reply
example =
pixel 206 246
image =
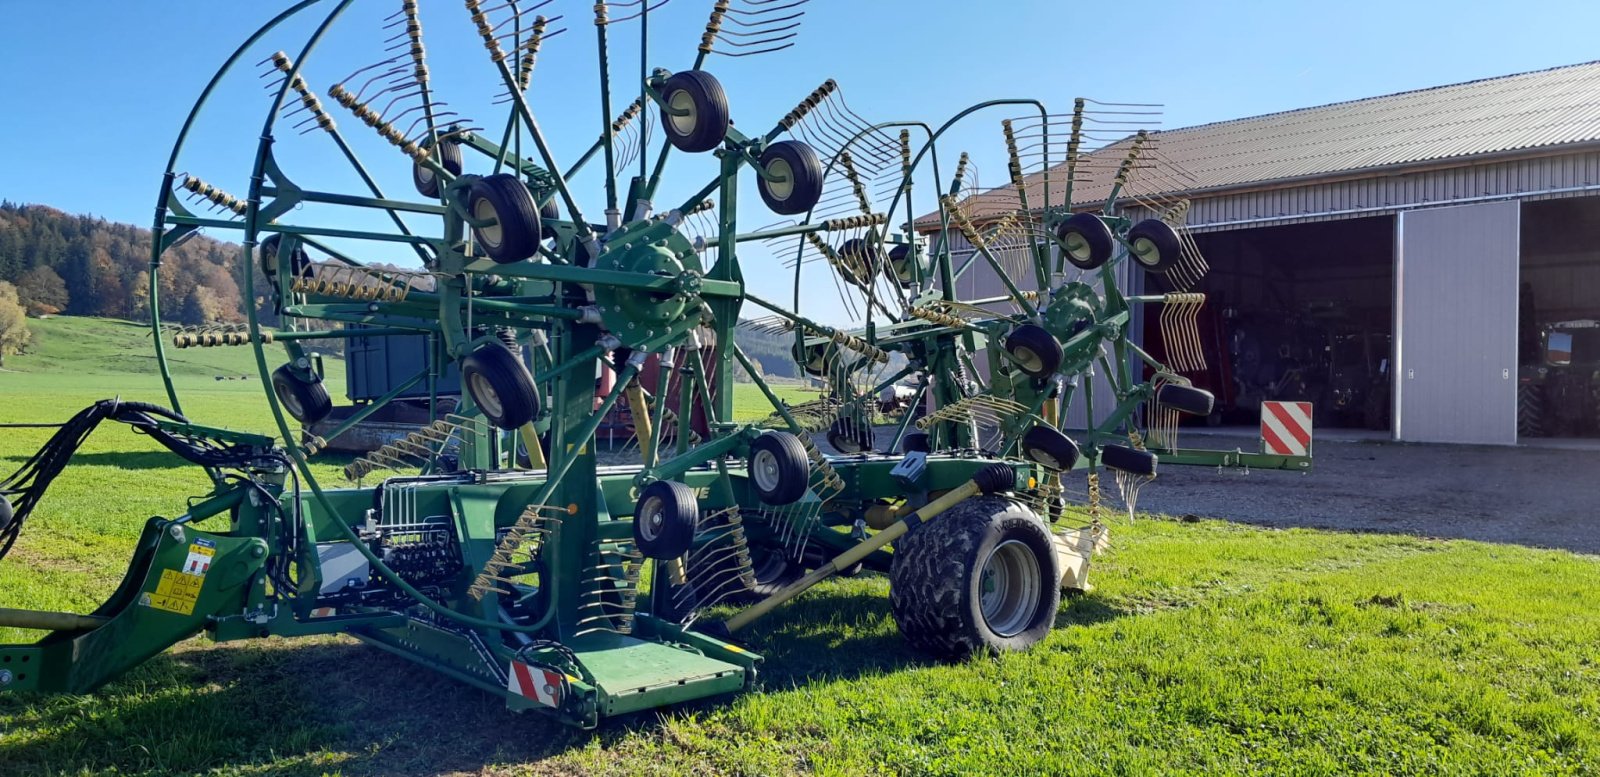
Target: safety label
pixel 177 592
pixel 200 554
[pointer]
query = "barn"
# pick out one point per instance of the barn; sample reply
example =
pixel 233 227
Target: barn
pixel 1425 263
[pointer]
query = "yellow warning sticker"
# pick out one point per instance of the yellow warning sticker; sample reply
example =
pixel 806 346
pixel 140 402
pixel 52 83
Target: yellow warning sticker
pixel 177 592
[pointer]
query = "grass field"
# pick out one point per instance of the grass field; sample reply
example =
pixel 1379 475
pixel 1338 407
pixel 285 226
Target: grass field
pixel 1207 647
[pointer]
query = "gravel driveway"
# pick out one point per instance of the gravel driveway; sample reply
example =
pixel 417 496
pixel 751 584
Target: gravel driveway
pixel 1527 496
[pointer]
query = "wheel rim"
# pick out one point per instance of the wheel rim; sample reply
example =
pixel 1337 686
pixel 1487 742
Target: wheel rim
pixel 1077 247
pixel 651 519
pixel 492 235
pixel 902 269
pixel 484 394
pixel 1044 458
pixel 425 174
pixel 764 468
pixel 1146 252
pixel 291 403
pixel 683 114
pixel 1009 586
pixel 1027 359
pixel 781 185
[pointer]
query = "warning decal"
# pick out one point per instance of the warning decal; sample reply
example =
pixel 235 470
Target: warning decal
pixel 1286 428
pixel 177 592
pixel 535 683
pixel 200 554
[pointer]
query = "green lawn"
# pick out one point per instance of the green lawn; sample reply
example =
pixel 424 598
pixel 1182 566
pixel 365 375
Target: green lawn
pixel 1206 647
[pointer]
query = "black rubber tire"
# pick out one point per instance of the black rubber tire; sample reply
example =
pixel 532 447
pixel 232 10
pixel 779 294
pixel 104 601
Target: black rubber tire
pixel 1154 245
pixel 804 187
pixel 1187 399
pixel 1034 340
pixel 850 436
pixel 505 199
pixel 267 253
pixel 424 179
pixel 549 211
pixel 781 458
pixel 710 104
pixel 664 519
pixel 857 252
pixel 900 258
pixel 812 359
pixel 1530 410
pixel 1130 460
pixel 773 572
pixel 499 384
pixel 1048 447
pixel 307 402
pixel 916 442
pixel 1086 241
pixel 936 578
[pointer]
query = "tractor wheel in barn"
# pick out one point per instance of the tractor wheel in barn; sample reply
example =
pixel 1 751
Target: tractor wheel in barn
pixel 1530 410
pixel 980 578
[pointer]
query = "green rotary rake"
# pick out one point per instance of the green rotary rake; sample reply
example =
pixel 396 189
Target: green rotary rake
pixel 495 544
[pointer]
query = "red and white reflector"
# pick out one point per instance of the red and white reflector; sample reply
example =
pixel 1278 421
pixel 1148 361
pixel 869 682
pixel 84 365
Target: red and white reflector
pixel 1286 428
pixel 535 683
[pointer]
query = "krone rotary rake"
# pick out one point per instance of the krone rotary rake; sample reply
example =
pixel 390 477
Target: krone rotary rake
pixel 492 543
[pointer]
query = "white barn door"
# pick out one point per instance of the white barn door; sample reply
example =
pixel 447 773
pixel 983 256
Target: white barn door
pixel 1456 310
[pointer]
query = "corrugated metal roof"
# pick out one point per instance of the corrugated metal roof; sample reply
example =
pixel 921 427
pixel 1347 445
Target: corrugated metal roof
pixel 1525 111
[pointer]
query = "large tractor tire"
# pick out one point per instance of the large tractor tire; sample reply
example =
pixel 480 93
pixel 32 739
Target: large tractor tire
pixel 1530 410
pixel 980 578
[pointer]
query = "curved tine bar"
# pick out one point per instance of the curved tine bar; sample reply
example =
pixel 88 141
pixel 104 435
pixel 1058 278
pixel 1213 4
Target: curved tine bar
pixel 159 225
pixel 257 181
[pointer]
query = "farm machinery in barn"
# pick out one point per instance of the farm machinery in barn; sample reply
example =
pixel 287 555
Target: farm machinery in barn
pixel 583 588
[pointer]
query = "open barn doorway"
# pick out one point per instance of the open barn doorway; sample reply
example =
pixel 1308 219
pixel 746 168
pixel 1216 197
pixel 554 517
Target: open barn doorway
pixel 1299 312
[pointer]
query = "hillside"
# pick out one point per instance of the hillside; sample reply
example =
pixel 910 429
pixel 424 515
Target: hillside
pixel 83 265
pixel 87 266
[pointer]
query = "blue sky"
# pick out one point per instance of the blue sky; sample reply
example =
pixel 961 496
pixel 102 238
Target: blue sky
pixel 97 90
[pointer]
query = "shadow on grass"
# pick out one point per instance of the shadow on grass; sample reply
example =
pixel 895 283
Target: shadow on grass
pixel 288 707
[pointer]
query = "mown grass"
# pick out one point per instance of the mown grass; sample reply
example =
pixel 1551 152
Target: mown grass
pixel 1206 647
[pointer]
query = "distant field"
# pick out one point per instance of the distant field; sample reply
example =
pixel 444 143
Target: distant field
pixel 1206 648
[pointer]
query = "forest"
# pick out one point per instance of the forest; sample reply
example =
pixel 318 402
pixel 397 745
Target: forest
pixel 61 263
